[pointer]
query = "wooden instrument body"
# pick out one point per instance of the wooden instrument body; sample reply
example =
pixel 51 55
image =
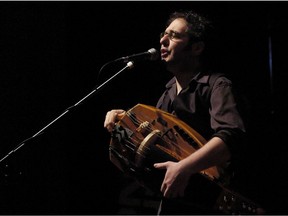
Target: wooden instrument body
pixel 146 135
pixel 146 127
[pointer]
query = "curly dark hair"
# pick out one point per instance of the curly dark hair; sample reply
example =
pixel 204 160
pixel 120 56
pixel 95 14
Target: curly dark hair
pixel 198 25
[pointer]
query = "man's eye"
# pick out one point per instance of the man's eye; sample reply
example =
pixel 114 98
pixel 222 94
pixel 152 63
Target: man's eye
pixel 173 34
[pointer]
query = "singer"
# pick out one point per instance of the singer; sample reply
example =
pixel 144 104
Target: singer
pixel 205 100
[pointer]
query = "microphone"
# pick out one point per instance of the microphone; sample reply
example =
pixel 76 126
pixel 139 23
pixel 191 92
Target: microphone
pixel 152 55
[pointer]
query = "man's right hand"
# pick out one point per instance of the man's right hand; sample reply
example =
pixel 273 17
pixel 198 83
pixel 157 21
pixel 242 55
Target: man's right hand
pixel 111 118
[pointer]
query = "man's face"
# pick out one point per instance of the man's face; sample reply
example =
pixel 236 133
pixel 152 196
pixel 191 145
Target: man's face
pixel 174 43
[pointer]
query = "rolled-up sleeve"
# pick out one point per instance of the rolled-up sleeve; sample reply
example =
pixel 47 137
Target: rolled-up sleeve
pixel 226 120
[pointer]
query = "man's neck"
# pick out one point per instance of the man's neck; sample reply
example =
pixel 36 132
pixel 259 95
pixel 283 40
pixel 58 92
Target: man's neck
pixel 183 80
pixel 184 73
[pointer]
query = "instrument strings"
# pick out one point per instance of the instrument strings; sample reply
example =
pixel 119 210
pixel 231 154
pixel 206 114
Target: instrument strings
pixel 139 121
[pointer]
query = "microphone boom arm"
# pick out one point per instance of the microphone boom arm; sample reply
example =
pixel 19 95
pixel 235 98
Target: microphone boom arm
pixel 129 65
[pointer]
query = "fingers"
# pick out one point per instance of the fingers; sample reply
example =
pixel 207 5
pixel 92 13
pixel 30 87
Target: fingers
pixel 172 186
pixel 166 189
pixel 161 165
pixel 172 191
pixel 165 186
pixel 111 118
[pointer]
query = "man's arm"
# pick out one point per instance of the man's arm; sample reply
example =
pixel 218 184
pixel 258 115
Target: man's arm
pixel 213 153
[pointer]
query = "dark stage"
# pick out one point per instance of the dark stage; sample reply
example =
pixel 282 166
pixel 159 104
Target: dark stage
pixel 51 54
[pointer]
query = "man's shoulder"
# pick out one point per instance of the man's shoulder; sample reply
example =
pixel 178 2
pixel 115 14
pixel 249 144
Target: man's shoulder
pixel 210 77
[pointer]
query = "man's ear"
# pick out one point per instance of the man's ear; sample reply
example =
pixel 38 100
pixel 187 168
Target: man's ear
pixel 197 48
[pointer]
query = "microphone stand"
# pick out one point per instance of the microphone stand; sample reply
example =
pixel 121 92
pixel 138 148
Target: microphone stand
pixel 129 65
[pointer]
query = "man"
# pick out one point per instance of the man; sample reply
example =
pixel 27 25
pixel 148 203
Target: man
pixel 203 100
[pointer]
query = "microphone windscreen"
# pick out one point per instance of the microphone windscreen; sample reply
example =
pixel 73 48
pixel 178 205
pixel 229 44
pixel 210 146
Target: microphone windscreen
pixel 154 54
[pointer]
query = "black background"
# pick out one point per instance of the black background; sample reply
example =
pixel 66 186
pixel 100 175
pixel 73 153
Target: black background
pixel 50 57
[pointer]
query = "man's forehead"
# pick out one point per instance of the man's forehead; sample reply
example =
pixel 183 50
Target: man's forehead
pixel 179 25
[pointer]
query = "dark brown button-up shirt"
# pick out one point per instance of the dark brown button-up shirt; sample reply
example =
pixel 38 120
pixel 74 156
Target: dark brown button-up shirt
pixel 209 106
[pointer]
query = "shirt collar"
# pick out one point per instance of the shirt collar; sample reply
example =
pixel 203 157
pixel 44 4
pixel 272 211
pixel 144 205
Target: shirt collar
pixel 199 78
